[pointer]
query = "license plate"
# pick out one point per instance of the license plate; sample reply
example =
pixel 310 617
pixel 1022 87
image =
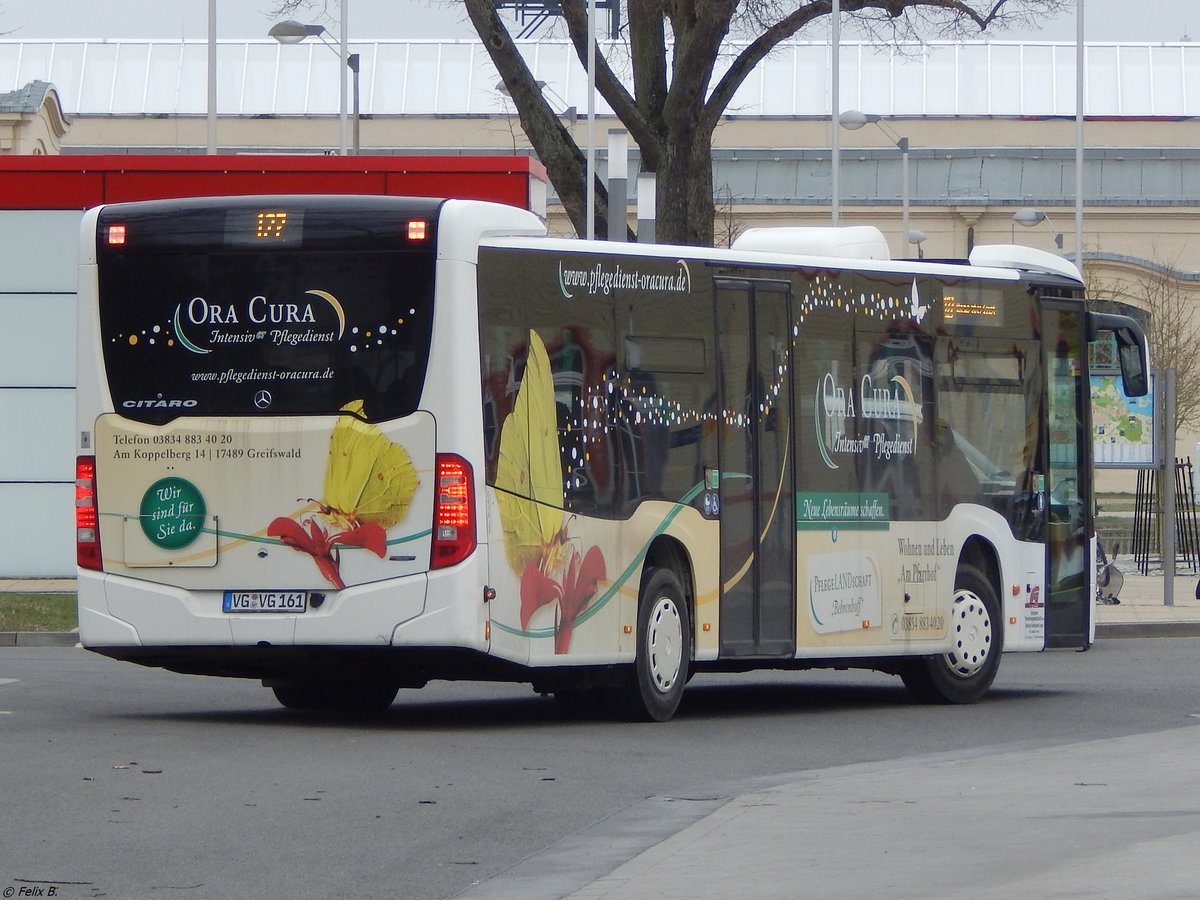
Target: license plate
pixel 265 601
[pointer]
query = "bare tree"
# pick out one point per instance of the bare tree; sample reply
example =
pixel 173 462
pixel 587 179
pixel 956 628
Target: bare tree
pixel 675 100
pixel 1173 331
pixel 726 226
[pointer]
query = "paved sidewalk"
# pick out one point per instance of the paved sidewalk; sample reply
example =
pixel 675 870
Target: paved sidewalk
pixel 1073 821
pixel 1142 612
pixel 37 585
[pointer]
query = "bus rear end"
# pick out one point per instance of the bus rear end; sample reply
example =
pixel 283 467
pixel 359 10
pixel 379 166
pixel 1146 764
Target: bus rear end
pixel 260 490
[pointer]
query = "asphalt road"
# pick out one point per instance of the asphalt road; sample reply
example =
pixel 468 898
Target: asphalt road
pixel 125 782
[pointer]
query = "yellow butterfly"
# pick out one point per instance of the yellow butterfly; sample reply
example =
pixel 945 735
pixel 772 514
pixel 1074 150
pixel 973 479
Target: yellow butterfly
pixel 529 481
pixel 529 490
pixel 368 477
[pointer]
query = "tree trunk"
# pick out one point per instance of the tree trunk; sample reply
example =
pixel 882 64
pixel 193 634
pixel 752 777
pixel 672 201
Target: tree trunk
pixel 685 190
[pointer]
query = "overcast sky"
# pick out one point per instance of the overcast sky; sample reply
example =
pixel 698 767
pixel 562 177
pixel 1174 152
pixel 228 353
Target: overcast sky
pixel 1105 20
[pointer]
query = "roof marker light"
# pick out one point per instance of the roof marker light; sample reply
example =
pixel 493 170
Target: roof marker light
pixel 418 229
pixel 116 235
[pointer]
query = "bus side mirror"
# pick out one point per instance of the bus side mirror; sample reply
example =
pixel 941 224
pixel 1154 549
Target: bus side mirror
pixel 1132 354
pixel 1134 369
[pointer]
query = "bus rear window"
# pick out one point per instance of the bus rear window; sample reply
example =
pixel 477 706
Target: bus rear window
pixel 199 318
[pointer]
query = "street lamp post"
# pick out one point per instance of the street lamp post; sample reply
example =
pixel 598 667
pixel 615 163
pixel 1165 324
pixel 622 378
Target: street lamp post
pixel 212 77
pixel 852 120
pixel 835 133
pixel 1027 217
pixel 352 61
pixel 293 32
pixel 570 113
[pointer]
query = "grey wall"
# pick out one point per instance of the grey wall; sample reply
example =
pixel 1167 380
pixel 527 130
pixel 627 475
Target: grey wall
pixel 38 261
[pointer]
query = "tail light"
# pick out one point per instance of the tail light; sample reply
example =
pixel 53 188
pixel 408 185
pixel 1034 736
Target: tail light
pixel 87 529
pixel 453 512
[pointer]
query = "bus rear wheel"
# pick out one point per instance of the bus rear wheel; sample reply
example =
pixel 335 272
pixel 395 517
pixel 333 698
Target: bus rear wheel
pixel 965 672
pixel 354 697
pixel 664 651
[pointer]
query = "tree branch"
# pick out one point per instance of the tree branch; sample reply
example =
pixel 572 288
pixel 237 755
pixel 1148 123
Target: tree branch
pixel 565 163
pixel 611 88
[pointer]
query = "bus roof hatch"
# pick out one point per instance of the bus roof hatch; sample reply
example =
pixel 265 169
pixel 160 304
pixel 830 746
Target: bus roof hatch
pixel 850 242
pixel 1027 259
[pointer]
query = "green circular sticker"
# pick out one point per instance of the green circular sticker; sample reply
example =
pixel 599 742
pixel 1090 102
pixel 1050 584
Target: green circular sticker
pixel 172 513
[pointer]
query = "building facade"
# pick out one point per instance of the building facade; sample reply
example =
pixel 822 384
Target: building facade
pixel 990 130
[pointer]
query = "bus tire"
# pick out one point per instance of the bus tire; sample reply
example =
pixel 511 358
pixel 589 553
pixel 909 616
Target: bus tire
pixel 354 697
pixel 664 651
pixel 965 673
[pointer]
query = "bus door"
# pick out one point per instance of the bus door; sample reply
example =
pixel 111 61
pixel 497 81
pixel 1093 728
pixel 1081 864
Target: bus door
pixel 758 532
pixel 1068 476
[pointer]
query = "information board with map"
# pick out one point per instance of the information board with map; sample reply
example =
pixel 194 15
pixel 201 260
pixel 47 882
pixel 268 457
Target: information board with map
pixel 1122 427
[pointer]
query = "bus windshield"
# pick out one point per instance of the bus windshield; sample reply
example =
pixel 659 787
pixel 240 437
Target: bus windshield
pixel 240 310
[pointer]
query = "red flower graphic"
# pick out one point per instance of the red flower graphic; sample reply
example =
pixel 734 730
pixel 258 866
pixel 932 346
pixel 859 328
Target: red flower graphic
pixel 323 546
pixel 573 592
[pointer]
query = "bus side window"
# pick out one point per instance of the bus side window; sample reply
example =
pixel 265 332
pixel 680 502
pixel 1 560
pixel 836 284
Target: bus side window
pixel 956 479
pixel 579 363
pixel 897 420
pixel 644 437
pixel 658 411
pixel 572 448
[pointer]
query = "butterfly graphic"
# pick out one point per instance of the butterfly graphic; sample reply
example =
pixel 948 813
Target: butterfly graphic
pixel 917 309
pixel 529 492
pixel 369 484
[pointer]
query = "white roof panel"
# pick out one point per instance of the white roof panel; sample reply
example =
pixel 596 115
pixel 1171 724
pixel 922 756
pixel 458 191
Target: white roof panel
pixel 457 78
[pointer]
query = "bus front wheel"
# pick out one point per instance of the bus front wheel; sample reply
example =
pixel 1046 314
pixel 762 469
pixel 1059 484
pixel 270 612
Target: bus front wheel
pixel 965 672
pixel 664 651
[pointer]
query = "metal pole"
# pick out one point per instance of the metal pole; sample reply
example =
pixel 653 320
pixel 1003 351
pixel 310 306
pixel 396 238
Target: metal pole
pixel 1080 77
pixel 647 204
pixel 212 77
pixel 618 183
pixel 354 62
pixel 591 121
pixel 903 145
pixel 344 56
pixel 835 137
pixel 1167 487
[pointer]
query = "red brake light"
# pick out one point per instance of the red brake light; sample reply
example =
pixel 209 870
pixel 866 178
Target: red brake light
pixel 87 532
pixel 453 512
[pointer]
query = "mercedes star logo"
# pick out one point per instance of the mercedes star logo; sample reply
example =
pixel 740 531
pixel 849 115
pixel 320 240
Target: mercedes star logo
pixel 262 399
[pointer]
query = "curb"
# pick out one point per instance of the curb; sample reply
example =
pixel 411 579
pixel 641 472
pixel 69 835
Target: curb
pixel 38 638
pixel 1147 630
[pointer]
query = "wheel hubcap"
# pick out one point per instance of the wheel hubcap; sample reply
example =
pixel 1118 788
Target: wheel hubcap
pixel 972 632
pixel 664 642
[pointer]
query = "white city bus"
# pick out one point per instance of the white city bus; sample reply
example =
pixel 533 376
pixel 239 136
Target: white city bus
pixel 346 445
